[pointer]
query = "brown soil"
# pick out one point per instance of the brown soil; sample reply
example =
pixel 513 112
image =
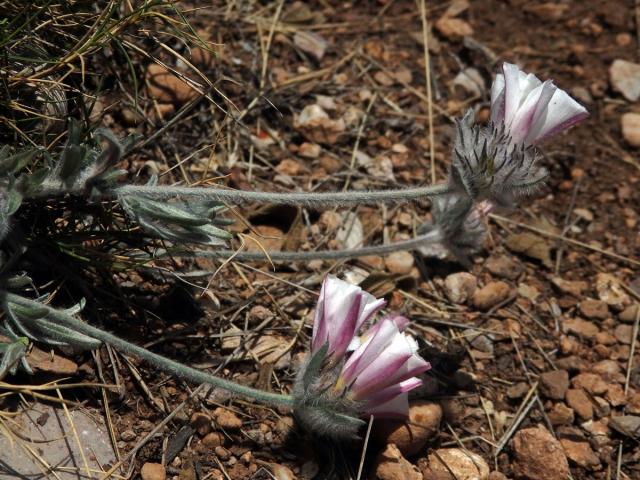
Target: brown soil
pixel 593 191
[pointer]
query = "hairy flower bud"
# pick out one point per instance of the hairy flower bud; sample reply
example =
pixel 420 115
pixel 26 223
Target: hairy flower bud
pixel 461 226
pixel 487 166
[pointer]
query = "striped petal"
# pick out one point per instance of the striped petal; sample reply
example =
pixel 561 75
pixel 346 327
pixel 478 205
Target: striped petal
pixel 497 99
pixel 369 351
pixel 561 112
pixel 388 393
pixel 397 407
pixel 342 309
pixel 530 110
pixel 396 362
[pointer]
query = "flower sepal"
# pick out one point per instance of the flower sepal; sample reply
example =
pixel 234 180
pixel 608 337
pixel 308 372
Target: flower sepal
pixel 317 406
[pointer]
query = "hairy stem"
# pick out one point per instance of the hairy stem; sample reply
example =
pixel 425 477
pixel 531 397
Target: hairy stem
pixel 285 198
pixel 433 236
pixel 170 366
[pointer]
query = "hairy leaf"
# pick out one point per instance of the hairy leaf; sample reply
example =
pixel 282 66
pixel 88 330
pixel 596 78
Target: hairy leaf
pixel 312 369
pixel 39 324
pixel 178 221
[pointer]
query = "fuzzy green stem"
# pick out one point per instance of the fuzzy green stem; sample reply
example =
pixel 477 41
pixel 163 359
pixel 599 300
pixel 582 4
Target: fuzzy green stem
pixel 433 236
pixel 170 366
pixel 309 199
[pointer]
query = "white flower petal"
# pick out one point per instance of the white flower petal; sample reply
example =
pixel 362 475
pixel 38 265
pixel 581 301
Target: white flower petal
pixel 380 369
pixel 533 106
pixel 397 407
pixel 529 109
pixel 512 97
pixel 527 82
pixel 388 393
pixel 497 99
pixel 562 112
pixel 369 351
pixel 370 306
pixel 342 308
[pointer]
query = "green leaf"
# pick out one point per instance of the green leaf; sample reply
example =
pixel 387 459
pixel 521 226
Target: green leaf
pixel 178 222
pixel 114 151
pixel 14 200
pixel 30 184
pixel 214 231
pixel 18 281
pixel 12 354
pixel 16 162
pixel 75 132
pixel 313 367
pixel 39 324
pixel 54 334
pixel 169 212
pixel 27 312
pixel 72 159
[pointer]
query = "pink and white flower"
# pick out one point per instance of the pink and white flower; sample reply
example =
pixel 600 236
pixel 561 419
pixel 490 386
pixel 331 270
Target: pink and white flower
pixel 531 110
pixel 375 370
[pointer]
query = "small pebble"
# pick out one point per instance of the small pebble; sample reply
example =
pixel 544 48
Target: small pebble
pixel 580 453
pixel 128 435
pixel 227 419
pixel 505 267
pixel 538 455
pixel 412 435
pixel 491 295
pixel 460 287
pixel 625 78
pixel 628 315
pixel 213 440
pixel 153 471
pixel 391 465
pixel 624 334
pixel 580 403
pixel 554 384
pixel 399 262
pixel 594 309
pixel 455 464
pixel 561 415
pixel 201 422
pixel 631 128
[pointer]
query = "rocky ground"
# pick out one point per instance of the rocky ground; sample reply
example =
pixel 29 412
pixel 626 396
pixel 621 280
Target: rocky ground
pixel 536 371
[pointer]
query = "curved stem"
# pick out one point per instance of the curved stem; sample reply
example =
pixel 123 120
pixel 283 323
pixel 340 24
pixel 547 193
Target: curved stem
pixel 433 236
pixel 170 366
pixel 286 198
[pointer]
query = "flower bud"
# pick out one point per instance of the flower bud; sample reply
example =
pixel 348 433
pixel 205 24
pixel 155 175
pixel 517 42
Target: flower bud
pixel 461 226
pixel 487 166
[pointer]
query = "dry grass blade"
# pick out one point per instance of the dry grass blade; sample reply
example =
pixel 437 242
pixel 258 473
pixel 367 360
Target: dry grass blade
pixel 107 409
pixel 356 144
pixel 364 448
pixel 634 341
pixel 570 241
pixel 76 437
pixel 131 454
pixel 528 402
pixel 427 75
